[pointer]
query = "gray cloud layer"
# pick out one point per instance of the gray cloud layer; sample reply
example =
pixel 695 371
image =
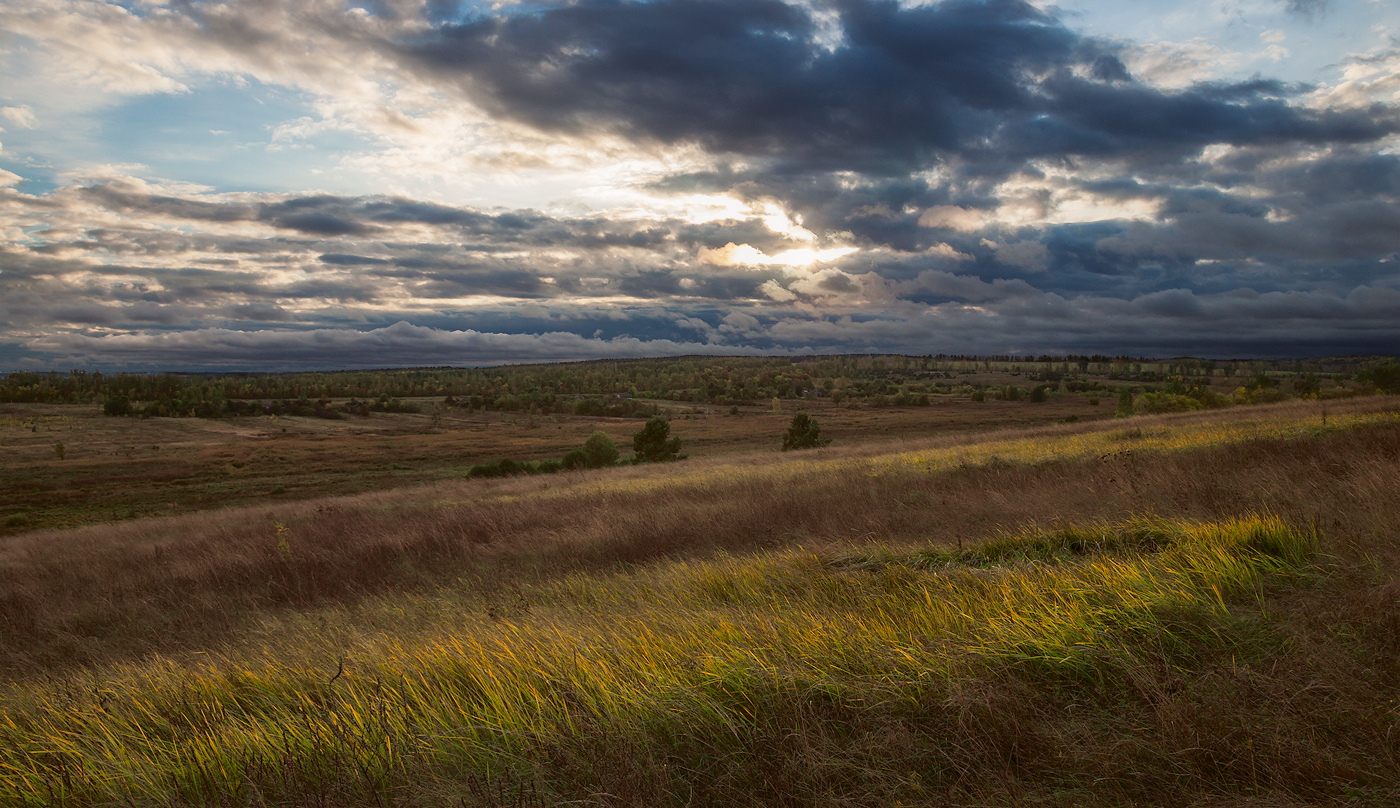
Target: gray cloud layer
pixel 904 88
pixel 1000 182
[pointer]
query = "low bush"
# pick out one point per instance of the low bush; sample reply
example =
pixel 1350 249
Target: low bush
pixel 1156 403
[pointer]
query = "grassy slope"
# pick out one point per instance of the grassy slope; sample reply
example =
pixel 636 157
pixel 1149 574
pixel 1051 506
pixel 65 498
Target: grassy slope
pixel 751 632
pixel 123 468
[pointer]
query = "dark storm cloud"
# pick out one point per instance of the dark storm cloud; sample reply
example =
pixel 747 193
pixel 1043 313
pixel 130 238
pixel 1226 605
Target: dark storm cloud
pixel 331 217
pixel 260 313
pixel 903 87
pixel 394 345
pixel 340 259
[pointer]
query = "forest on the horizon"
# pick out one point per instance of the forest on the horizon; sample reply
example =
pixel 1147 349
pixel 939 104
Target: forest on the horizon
pixel 621 387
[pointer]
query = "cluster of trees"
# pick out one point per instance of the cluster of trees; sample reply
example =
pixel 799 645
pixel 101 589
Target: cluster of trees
pixel 120 405
pixel 653 443
pixel 630 388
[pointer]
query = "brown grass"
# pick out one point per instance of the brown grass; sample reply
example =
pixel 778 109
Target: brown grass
pixel 1285 695
pixel 124 468
pixel 110 592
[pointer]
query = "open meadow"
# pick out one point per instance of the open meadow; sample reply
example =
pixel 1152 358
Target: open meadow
pixel 977 604
pixel 122 468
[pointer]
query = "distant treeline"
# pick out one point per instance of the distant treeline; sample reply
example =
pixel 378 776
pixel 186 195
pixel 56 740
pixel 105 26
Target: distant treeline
pixel 623 387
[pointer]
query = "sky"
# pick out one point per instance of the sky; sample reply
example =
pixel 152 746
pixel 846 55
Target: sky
pixel 318 184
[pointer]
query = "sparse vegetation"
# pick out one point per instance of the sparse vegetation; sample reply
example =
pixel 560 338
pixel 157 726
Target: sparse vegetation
pixel 638 388
pixel 1190 608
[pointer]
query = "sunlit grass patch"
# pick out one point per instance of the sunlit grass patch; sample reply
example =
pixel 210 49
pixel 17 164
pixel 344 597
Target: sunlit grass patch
pixel 682 664
pixel 1156 438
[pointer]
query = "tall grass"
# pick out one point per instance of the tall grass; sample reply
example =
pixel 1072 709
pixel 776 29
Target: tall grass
pixel 670 685
pixel 971 626
pixel 98 595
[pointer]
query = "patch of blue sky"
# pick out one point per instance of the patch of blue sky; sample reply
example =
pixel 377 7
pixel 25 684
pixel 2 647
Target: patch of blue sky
pixel 224 135
pixel 37 179
pixel 1295 41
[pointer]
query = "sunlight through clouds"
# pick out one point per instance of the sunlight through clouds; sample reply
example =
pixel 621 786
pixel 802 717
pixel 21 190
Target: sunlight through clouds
pixel 954 176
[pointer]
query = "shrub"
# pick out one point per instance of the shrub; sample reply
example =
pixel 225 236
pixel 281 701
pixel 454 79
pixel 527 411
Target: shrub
pixel 1125 403
pixel 1094 402
pixel 803 433
pixel 1385 378
pixel 1209 398
pixel 116 406
pixel 1256 395
pixel 600 451
pixel 1261 381
pixel 597 452
pixel 1152 403
pixel 653 443
pixel 484 470
pixel 511 468
pixel 1038 394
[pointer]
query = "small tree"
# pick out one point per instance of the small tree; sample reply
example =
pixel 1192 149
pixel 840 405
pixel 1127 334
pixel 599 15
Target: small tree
pixel 803 433
pixel 1125 403
pixel 653 443
pixel 597 452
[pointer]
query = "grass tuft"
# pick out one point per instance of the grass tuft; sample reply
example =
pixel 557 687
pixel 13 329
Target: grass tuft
pixel 666 682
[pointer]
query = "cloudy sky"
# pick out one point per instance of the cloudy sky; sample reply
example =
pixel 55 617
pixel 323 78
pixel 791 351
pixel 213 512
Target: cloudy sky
pixel 297 184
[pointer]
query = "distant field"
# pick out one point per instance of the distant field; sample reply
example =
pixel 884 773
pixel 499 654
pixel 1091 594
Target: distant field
pixel 123 468
pixel 1193 609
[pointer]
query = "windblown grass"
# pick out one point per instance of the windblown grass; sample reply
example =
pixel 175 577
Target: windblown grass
pixel 102 594
pixel 1159 437
pixel 689 669
pixel 971 626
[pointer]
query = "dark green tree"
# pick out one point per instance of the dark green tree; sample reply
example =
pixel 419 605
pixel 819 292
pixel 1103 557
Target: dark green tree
pixel 117 405
pixel 803 433
pixel 1386 378
pixel 597 452
pixel 654 444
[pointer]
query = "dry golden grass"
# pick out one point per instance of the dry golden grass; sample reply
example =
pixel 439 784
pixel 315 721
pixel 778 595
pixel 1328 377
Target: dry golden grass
pixel 123 468
pixel 191 582
pixel 826 628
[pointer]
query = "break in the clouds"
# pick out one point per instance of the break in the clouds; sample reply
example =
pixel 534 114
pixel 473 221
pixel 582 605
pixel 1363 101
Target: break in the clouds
pixel 267 183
